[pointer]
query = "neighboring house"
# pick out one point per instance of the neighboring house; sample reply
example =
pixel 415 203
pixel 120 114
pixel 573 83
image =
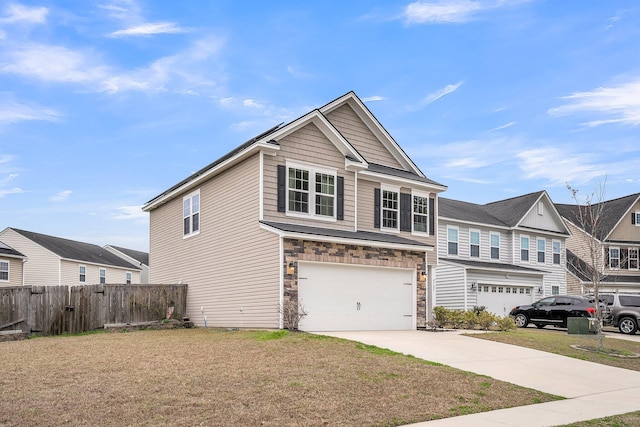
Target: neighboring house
pixel 11 266
pixel 54 261
pixel 138 258
pixel 326 212
pixel 500 254
pixel 617 242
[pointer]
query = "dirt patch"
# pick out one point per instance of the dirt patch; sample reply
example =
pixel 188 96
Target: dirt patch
pixel 228 378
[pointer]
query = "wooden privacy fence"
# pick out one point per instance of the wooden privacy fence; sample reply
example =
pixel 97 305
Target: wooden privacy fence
pixel 53 310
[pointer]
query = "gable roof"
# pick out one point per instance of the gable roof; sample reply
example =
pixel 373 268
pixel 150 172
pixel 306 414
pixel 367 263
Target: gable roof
pixel 6 250
pixel 269 141
pixel 507 213
pixel 584 272
pixel 613 211
pixel 140 256
pixel 500 266
pixel 76 251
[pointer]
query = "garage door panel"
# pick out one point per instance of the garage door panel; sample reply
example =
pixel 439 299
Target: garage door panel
pixel 501 303
pixel 340 297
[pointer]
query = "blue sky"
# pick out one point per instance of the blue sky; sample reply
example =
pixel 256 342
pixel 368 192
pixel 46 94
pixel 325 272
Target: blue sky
pixel 104 104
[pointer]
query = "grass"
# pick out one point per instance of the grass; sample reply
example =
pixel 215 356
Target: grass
pixel 559 342
pixel 228 377
pixel 631 419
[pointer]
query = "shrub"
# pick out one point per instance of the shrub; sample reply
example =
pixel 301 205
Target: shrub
pixel 440 316
pixel 486 320
pixel 456 318
pixel 292 313
pixel 506 323
pixel 470 319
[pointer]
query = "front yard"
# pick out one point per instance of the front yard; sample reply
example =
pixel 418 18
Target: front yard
pixel 216 377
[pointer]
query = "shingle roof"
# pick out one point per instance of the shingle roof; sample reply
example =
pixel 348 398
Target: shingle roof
pixel 140 256
pixel 512 210
pixel 8 250
pixel 400 173
pixel 492 265
pixel 612 212
pixel 74 250
pixel 583 271
pixel 465 211
pixel 343 234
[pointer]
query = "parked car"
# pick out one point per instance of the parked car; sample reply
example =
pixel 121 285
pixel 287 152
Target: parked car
pixel 553 311
pixel 622 311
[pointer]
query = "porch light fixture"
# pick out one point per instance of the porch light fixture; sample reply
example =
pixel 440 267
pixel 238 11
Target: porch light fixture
pixel 291 268
pixel 423 275
pixel 473 286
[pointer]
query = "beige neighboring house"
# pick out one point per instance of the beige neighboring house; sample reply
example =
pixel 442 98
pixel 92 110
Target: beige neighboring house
pixel 138 258
pixel 619 247
pixel 500 254
pixel 326 212
pixel 11 266
pixel 54 261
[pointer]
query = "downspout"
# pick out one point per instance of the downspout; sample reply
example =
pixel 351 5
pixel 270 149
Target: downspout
pixel 24 261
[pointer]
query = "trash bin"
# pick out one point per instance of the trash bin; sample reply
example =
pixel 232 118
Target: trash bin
pixel 581 326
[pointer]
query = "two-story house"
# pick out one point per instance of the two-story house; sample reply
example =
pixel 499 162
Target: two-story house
pixel 501 254
pixel 325 213
pixel 616 244
pixel 11 266
pixel 55 261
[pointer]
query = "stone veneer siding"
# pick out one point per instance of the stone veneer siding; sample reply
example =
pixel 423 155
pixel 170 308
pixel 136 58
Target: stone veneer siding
pixel 306 250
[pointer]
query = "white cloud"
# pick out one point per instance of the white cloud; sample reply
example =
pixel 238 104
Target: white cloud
pixel 150 28
pixel 12 112
pixel 251 103
pixel 558 166
pixel 14 190
pixel 131 212
pixel 505 126
pixel 373 99
pixel 621 104
pixel 443 11
pixel 18 13
pixel 433 97
pixel 61 196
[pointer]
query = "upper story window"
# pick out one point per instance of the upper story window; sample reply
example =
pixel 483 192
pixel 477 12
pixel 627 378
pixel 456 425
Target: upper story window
pixel 311 191
pixel 542 244
pixel 4 271
pixel 556 251
pixel 524 248
pixel 128 277
pixel 420 213
pixel 191 214
pixel 103 276
pixel 633 258
pixel 474 243
pixel 83 274
pixel 390 208
pixel 495 245
pixel 614 257
pixel 635 218
pixel 452 240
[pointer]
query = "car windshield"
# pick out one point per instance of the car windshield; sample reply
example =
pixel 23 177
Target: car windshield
pixel 546 301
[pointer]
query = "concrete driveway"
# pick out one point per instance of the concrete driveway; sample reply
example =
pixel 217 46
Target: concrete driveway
pixel 592 390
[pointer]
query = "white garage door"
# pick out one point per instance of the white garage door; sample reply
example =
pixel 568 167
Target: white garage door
pixel 340 297
pixel 500 299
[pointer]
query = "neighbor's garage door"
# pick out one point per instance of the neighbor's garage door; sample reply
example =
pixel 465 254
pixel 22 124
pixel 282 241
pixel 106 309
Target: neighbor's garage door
pixel 341 297
pixel 500 299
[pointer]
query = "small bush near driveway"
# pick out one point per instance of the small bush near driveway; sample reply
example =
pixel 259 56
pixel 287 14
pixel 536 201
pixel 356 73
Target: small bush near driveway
pixel 215 377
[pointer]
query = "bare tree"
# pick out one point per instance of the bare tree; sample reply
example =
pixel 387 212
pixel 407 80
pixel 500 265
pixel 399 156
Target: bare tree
pixel 292 313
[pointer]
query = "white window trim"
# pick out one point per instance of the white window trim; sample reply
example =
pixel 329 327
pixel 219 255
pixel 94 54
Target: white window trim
pixel 100 275
pixel 126 275
pixel 637 250
pixel 618 258
pixel 396 190
pixel 457 242
pixel 528 247
pixel 415 193
pixel 8 270
pixel 553 251
pixel 312 169
pixel 491 234
pixel 80 273
pixel 637 214
pixel 538 240
pixel 190 198
pixel 474 230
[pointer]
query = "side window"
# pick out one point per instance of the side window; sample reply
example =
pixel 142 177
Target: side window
pixel 390 209
pixel 128 277
pixel 191 214
pixel 635 218
pixel 420 213
pixel 524 248
pixel 103 276
pixel 452 240
pixel 495 246
pixel 546 301
pixel 4 271
pixel 555 290
pixel 629 300
pixel 83 273
pixel 556 251
pixel 633 258
pixel 542 243
pixel 614 258
pixel 474 243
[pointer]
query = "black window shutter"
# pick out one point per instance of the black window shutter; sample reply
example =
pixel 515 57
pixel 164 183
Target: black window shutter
pixel 376 207
pixel 282 188
pixel 405 212
pixel 340 212
pixel 432 217
pixel 633 217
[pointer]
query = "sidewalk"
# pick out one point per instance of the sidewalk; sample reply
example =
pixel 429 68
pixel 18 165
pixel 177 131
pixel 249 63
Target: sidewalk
pixel 592 390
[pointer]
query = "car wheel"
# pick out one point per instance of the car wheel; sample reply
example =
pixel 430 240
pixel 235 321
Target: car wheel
pixel 540 325
pixel 521 320
pixel 627 325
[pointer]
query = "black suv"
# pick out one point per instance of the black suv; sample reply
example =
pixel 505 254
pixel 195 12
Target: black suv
pixel 553 311
pixel 622 311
